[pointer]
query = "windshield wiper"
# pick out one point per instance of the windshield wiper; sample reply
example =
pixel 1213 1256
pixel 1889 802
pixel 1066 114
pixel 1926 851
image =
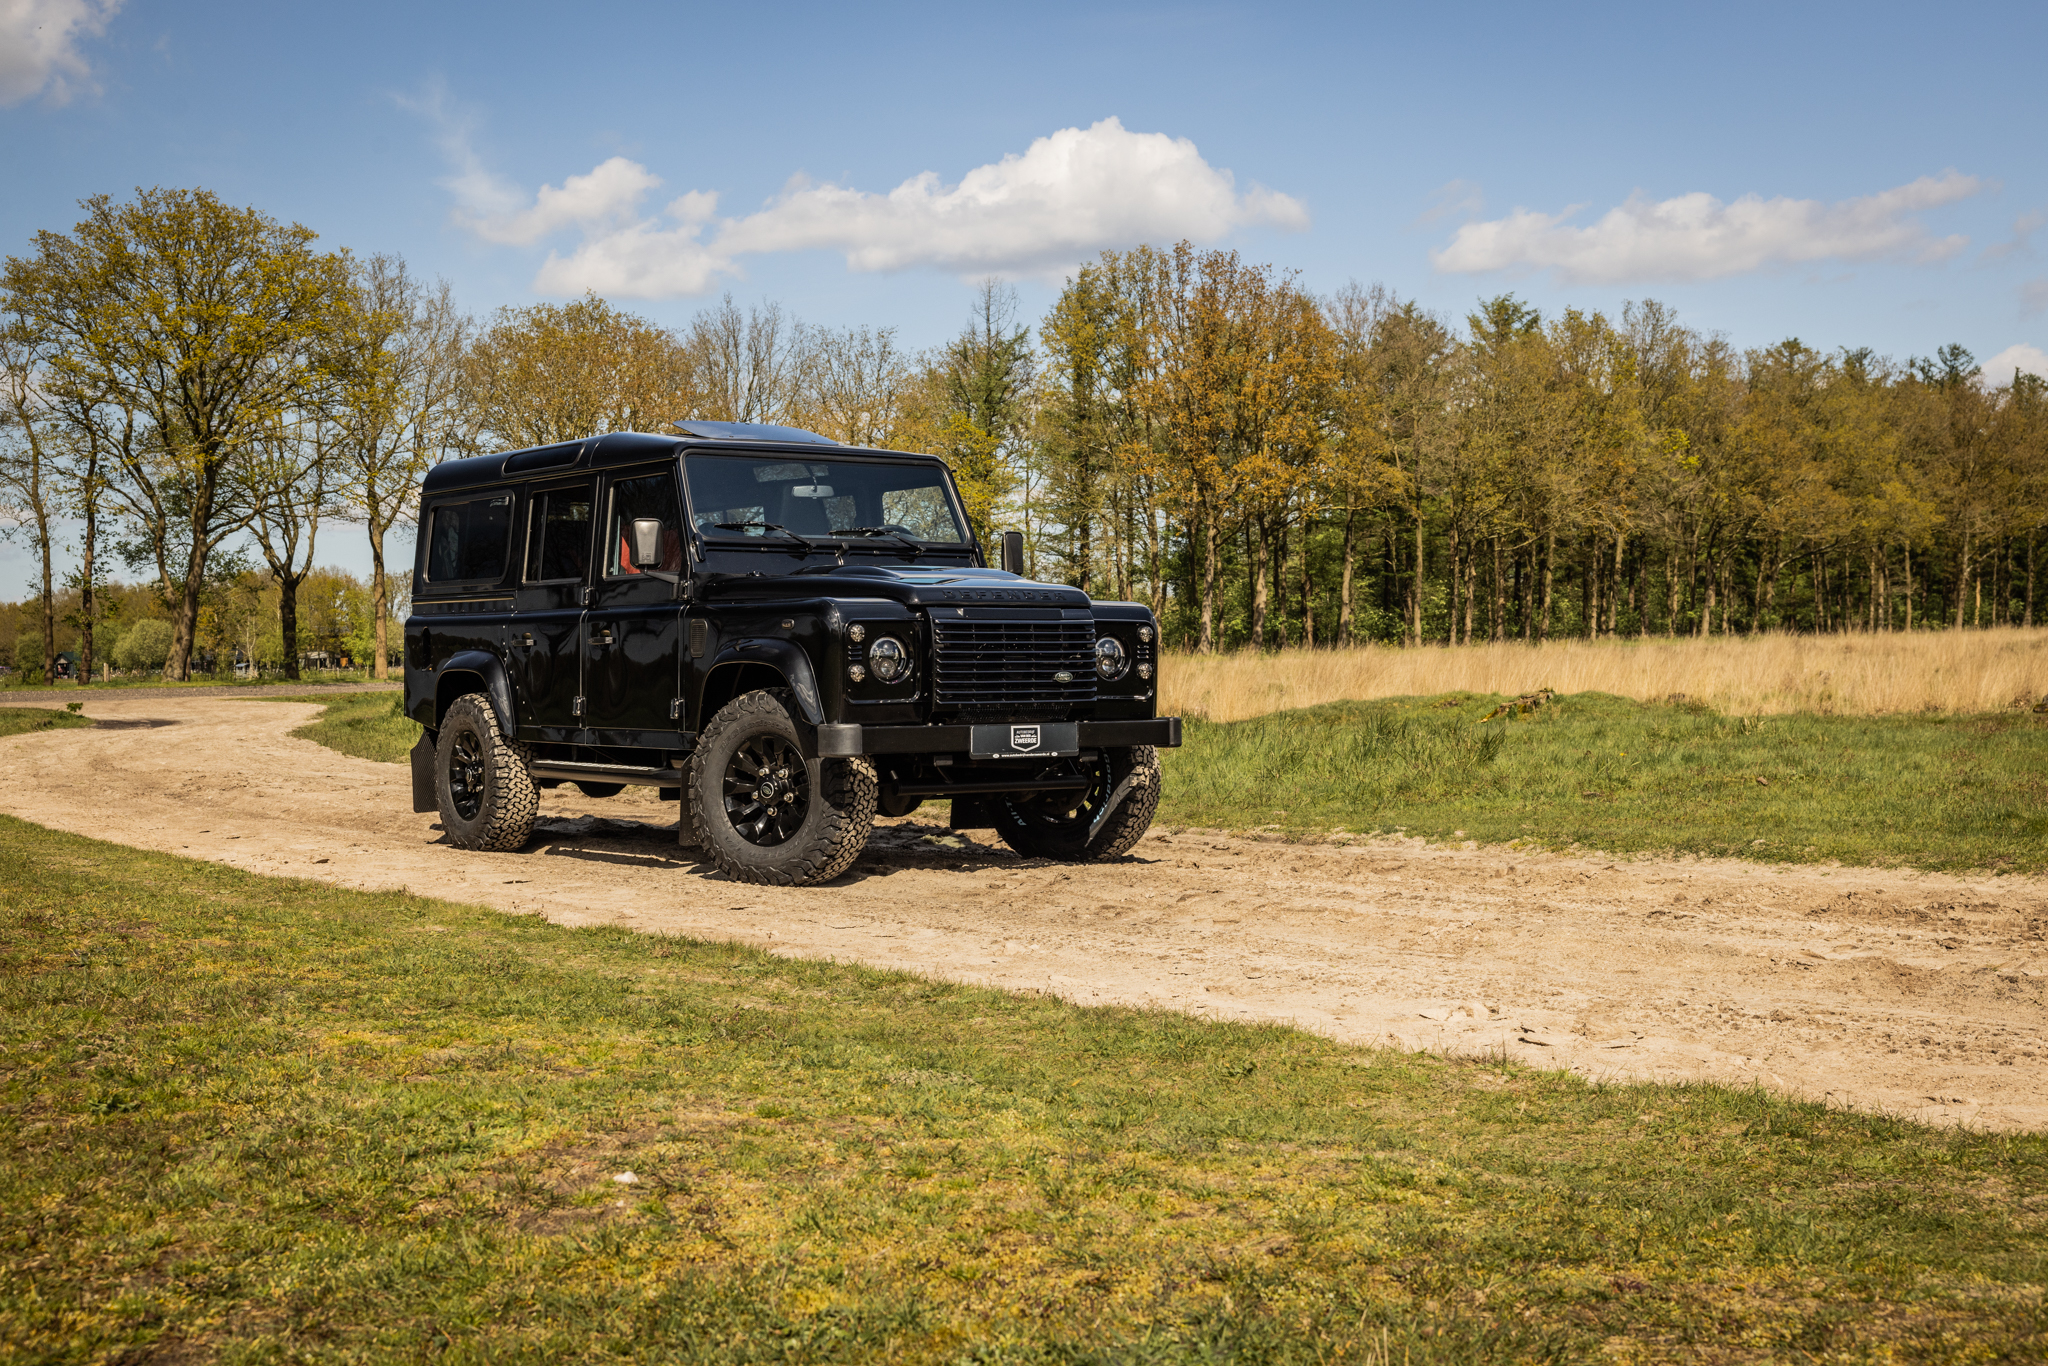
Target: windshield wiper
pixel 915 548
pixel 766 526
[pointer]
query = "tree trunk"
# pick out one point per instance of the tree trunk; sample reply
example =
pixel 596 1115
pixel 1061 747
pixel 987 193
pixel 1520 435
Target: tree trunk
pixel 1344 609
pixel 1454 551
pixel 1908 553
pixel 1500 596
pixel 87 551
pixel 1308 592
pixel 1256 530
pixel 288 622
pixel 1589 588
pixel 1549 577
pixel 2030 580
pixel 1963 581
pixel 380 603
pixel 1415 585
pixel 1207 643
pixel 1671 592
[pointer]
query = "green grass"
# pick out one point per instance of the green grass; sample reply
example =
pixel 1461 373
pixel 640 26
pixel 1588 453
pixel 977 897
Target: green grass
pixel 15 683
pixel 368 725
pixel 256 1120
pixel 1926 791
pixel 23 720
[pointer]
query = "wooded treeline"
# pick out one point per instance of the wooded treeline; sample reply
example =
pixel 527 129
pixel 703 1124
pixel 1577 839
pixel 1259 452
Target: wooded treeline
pixel 197 391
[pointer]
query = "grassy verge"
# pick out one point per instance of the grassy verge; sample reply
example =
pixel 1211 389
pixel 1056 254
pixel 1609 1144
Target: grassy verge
pixel 250 1119
pixel 364 725
pixel 1927 791
pixel 22 720
pixel 11 685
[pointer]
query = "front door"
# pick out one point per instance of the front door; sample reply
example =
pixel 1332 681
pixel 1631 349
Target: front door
pixel 633 630
pixel 546 648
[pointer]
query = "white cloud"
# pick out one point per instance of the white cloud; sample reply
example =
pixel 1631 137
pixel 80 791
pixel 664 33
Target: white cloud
pixel 39 47
pixel 1063 199
pixel 2020 356
pixel 1698 237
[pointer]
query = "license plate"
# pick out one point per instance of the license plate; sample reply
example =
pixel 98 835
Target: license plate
pixel 1027 741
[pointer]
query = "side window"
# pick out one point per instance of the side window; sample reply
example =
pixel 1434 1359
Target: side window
pixel 469 541
pixel 558 535
pixel 651 496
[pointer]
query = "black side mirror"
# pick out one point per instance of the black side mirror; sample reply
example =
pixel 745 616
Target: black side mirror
pixel 1013 553
pixel 646 543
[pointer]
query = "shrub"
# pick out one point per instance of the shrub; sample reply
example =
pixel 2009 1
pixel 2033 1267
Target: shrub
pixel 145 646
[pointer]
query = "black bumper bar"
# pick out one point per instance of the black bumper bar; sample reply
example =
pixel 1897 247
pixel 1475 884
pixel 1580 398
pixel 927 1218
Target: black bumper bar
pixel 845 741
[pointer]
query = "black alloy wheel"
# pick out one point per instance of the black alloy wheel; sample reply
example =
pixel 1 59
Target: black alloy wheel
pixel 466 774
pixel 767 790
pixel 1072 826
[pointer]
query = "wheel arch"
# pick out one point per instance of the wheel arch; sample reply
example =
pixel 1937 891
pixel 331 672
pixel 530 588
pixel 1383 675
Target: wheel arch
pixel 746 665
pixel 471 671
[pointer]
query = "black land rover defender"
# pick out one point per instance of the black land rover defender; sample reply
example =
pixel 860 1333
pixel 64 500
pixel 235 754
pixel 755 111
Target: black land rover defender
pixel 783 634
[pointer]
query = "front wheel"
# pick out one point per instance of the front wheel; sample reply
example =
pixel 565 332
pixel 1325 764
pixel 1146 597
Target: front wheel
pixel 762 811
pixel 1103 822
pixel 482 781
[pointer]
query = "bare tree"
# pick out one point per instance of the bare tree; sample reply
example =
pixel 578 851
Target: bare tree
pixel 854 385
pixel 401 410
pixel 748 367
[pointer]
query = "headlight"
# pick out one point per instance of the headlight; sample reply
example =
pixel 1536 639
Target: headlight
pixel 1110 660
pixel 888 659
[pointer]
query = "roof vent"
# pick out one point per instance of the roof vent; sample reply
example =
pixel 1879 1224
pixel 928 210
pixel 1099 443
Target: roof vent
pixel 751 431
pixel 545 458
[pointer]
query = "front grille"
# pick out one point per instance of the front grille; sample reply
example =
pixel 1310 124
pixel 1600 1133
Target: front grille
pixel 1006 667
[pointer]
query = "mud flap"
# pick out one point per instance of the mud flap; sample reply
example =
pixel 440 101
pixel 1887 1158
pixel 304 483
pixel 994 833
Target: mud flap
pixel 423 796
pixel 973 813
pixel 686 828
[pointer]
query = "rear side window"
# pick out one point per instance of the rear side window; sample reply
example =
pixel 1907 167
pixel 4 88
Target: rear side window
pixel 469 541
pixel 558 541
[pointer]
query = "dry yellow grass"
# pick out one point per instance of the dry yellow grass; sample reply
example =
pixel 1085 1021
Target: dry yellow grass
pixel 1950 671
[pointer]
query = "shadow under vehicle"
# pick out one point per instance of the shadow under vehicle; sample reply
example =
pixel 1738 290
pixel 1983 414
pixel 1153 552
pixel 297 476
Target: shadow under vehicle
pixel 783 634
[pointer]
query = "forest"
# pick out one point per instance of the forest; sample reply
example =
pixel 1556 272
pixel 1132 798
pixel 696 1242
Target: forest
pixel 195 392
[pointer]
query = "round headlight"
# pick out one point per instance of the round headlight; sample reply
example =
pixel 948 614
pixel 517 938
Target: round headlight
pixel 1110 660
pixel 888 659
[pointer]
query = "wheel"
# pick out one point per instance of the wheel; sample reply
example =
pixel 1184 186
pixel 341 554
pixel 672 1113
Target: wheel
pixel 482 779
pixel 761 811
pixel 1064 828
pixel 600 789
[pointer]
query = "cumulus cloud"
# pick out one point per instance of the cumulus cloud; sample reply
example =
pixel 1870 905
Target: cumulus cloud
pixel 1698 237
pixel 2031 360
pixel 1063 199
pixel 39 47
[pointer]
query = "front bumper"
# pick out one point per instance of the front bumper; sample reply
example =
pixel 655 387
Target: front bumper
pixel 846 741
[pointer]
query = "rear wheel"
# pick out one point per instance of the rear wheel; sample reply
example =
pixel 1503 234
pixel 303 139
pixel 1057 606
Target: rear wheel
pixel 765 814
pixel 482 781
pixel 1103 822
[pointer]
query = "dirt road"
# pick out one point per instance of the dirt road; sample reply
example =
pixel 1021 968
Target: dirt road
pixel 1909 992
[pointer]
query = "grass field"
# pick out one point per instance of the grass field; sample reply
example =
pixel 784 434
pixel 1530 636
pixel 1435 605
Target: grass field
pixel 1925 790
pixel 246 1119
pixel 22 720
pixel 1962 672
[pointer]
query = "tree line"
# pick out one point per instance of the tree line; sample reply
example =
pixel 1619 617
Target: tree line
pixel 193 390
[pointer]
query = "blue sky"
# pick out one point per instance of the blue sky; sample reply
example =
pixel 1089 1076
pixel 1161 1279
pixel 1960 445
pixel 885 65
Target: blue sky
pixel 1852 175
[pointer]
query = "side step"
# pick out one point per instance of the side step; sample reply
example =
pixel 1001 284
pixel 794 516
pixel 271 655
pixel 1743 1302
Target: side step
pixel 561 770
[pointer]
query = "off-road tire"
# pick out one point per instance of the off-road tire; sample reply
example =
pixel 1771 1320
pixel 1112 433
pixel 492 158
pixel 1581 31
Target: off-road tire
pixel 838 814
pixel 479 770
pixel 1038 828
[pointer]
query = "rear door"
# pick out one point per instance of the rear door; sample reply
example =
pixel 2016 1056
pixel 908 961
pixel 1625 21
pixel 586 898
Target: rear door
pixel 632 638
pixel 546 646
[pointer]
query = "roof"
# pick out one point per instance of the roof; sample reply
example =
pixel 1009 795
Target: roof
pixel 625 448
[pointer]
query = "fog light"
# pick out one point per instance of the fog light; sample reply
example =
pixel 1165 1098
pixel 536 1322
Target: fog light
pixel 1110 660
pixel 857 672
pixel 1144 671
pixel 1145 634
pixel 888 659
pixel 856 633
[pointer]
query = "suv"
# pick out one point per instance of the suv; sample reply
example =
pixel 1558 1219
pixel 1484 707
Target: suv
pixel 783 634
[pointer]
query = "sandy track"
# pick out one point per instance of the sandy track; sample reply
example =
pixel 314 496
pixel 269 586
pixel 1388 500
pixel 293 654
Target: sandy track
pixel 1908 992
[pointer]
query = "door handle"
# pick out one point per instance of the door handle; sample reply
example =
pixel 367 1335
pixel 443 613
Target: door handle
pixel 524 639
pixel 603 637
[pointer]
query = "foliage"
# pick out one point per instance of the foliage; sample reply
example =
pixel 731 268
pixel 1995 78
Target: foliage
pixel 249 1118
pixel 144 646
pixel 1923 791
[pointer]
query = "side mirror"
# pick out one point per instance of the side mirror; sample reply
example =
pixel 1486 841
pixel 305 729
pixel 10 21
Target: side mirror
pixel 646 543
pixel 1013 553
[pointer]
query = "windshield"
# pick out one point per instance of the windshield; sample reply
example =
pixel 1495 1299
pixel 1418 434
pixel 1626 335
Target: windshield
pixel 737 495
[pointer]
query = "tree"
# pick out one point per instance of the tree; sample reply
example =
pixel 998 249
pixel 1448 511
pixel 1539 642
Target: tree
pixel 27 476
pixel 747 367
pixel 562 372
pixel 207 321
pixel 400 411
